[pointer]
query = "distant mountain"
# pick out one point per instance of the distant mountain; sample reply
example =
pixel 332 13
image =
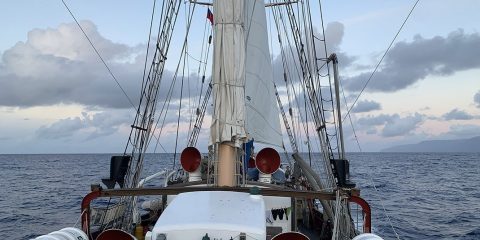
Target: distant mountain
pixel 460 145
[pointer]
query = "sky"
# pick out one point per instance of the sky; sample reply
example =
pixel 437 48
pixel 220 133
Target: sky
pixel 57 97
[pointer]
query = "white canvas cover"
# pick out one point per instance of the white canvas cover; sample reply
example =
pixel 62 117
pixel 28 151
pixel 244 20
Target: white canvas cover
pixel 219 214
pixel 228 120
pixel 262 120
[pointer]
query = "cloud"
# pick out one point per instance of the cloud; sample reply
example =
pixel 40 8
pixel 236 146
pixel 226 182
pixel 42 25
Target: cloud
pixel 92 125
pixel 366 106
pixel 399 126
pixel 468 130
pixel 371 131
pixel 61 129
pixel 410 62
pixel 457 114
pixel 393 125
pixel 476 99
pixel 68 42
pixel 58 65
pixel 375 120
pixel 462 131
pixel 334 33
pixel 106 123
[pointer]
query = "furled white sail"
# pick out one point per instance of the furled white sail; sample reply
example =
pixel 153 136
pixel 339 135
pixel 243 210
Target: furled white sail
pixel 262 119
pixel 244 95
pixel 228 120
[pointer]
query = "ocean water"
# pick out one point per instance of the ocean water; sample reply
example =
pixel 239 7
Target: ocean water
pixel 425 195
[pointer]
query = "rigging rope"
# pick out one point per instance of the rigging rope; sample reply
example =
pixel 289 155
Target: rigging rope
pixel 179 112
pixel 189 108
pixel 309 86
pixel 148 42
pixel 201 107
pixel 170 91
pixel 381 59
pixel 369 173
pixel 278 17
pixel 142 131
pixel 356 99
pixel 99 55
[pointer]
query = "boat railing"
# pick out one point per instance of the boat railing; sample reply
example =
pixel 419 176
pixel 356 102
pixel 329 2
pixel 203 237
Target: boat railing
pixel 162 173
pixel 365 222
pixel 321 195
pixel 142 182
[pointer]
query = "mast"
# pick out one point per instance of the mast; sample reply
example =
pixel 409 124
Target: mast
pixel 228 120
pixel 336 79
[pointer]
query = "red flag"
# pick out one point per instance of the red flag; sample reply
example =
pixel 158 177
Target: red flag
pixel 210 16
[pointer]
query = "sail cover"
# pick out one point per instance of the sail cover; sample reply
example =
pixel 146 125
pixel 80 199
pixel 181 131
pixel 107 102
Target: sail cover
pixel 262 120
pixel 244 96
pixel 228 120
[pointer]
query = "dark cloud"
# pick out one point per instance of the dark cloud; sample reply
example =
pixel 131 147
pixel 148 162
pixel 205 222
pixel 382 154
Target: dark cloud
pixel 366 106
pixel 476 99
pixel 457 114
pixel 59 66
pixel 410 62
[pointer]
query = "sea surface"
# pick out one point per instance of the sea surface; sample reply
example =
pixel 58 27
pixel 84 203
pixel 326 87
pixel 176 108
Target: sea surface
pixel 424 195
